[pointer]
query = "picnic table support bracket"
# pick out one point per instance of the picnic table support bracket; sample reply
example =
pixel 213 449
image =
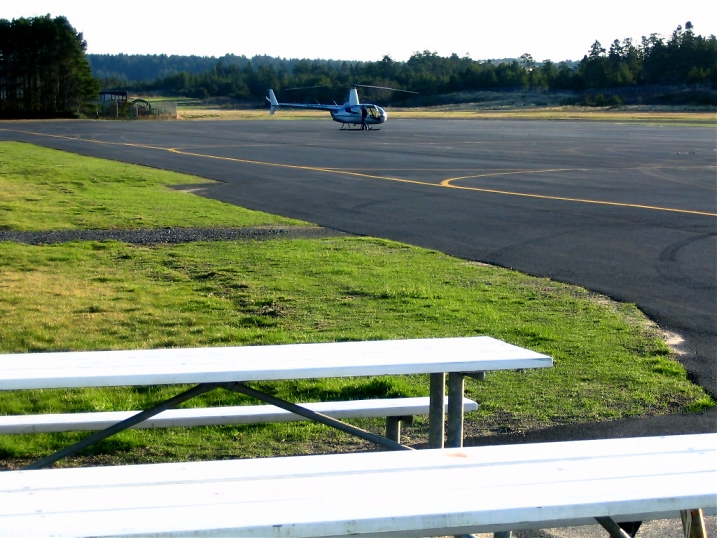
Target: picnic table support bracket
pixel 693 523
pixel 436 411
pixel 393 427
pixel 615 530
pixel 478 376
pixel 121 426
pixel 630 527
pixel 455 410
pixel 241 388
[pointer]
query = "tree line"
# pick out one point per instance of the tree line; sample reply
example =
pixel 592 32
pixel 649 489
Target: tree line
pixel 684 58
pixel 43 69
pixel 123 69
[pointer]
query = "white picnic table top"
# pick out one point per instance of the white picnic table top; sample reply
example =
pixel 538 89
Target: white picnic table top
pixel 415 493
pixel 262 363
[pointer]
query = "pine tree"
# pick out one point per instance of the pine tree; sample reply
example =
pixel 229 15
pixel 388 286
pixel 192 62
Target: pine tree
pixel 43 69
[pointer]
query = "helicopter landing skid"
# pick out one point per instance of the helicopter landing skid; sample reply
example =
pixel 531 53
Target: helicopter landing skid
pixel 348 126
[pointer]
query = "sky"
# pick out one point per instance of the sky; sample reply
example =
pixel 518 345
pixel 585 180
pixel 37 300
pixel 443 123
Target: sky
pixel 367 30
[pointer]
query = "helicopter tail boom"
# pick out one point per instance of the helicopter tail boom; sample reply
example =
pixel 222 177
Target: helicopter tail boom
pixel 273 102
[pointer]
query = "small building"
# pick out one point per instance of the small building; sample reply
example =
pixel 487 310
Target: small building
pixel 117 95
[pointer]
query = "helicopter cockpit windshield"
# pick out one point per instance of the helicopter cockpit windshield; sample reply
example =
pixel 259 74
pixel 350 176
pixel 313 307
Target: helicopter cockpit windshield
pixel 374 112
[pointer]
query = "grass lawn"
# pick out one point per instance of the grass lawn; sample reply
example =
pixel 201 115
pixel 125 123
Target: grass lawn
pixel 609 360
pixel 63 191
pixel 468 111
pixel 566 113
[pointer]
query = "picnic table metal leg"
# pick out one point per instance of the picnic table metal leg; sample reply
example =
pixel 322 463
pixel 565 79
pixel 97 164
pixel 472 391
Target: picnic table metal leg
pixel 613 528
pixel 121 426
pixel 630 527
pixel 393 427
pixel 436 411
pixel 693 523
pixel 316 417
pixel 455 410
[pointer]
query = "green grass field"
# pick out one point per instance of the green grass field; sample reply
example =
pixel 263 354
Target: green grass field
pixel 472 111
pixel 64 191
pixel 609 359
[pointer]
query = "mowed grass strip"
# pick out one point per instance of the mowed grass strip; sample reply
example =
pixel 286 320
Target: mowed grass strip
pixel 609 360
pixel 566 113
pixel 473 111
pixel 43 189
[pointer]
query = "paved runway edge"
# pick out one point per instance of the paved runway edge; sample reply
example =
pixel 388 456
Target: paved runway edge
pixel 678 424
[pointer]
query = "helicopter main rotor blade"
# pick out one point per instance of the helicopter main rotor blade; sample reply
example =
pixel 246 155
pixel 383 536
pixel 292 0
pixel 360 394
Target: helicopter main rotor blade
pixel 383 88
pixel 306 88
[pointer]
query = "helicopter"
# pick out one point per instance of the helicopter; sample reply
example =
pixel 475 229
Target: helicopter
pixel 352 112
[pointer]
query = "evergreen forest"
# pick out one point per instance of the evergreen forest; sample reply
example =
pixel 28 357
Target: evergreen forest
pixel 43 69
pixel 682 60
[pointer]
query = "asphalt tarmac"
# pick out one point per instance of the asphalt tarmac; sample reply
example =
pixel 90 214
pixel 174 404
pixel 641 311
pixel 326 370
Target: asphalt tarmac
pixel 626 210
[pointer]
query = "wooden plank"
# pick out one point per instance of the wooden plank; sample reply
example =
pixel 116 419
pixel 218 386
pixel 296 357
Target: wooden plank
pixel 208 416
pixel 261 363
pixel 432 492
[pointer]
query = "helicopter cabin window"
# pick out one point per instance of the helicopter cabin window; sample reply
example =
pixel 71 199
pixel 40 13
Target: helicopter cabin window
pixel 373 111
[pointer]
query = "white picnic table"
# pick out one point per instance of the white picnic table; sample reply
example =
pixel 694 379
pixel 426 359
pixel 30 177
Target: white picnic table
pixel 380 494
pixel 232 367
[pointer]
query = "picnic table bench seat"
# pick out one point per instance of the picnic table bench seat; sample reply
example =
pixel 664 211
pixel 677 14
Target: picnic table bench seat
pixel 209 416
pixel 414 493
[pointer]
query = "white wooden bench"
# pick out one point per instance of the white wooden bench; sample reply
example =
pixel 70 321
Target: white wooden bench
pixel 232 367
pixel 393 409
pixel 418 493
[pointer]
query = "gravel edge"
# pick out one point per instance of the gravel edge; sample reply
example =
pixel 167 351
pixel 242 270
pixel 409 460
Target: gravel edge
pixel 158 236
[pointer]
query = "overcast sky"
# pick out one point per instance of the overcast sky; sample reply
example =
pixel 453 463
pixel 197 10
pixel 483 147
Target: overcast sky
pixel 367 29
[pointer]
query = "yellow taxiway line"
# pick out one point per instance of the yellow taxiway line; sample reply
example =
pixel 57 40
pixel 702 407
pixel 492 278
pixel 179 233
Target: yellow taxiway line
pixel 446 183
